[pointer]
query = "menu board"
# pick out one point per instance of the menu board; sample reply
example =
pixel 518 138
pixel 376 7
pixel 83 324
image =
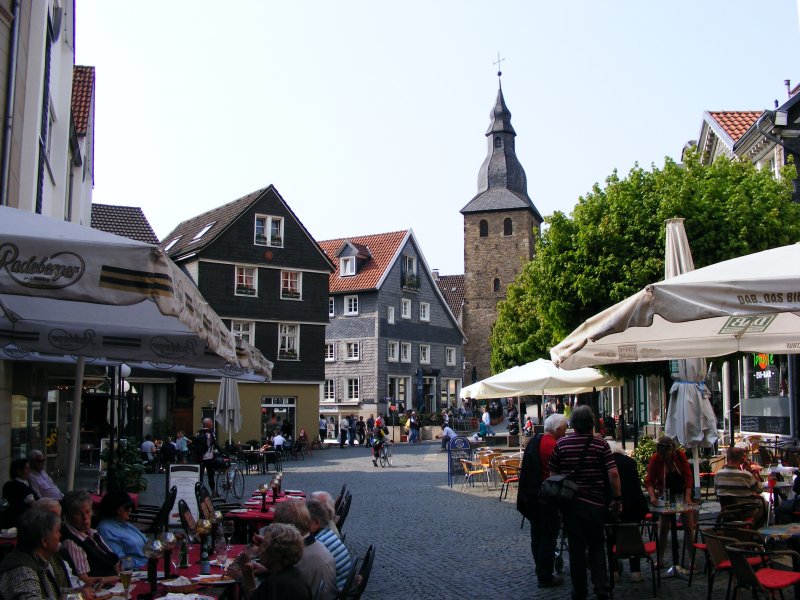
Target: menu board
pixel 457 449
pixel 183 477
pixel 761 424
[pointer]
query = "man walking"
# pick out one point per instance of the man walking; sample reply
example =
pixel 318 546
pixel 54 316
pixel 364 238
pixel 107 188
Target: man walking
pixel 204 443
pixel 487 420
pixel 589 463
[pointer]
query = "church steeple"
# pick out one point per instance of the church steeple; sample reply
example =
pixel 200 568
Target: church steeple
pixel 502 184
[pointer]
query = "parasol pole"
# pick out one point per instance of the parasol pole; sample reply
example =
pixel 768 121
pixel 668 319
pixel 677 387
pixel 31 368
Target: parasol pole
pixel 75 426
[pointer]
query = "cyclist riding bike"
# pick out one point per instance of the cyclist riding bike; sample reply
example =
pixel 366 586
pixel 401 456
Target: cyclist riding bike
pixel 379 438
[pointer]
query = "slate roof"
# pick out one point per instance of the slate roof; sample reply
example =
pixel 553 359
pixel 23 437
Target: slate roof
pixel 452 288
pixel 384 249
pixel 735 123
pixel 82 94
pixel 127 221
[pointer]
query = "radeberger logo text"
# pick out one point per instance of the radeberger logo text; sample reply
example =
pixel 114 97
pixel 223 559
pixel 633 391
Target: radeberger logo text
pixel 58 271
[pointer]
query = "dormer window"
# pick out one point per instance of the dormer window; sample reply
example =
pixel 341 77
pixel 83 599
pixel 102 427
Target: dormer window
pixel 203 231
pixel 347 266
pixel 409 279
pixel 268 231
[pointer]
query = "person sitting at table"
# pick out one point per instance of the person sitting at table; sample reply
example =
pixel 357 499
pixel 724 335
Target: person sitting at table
pixel 634 504
pixel 791 504
pixel 734 485
pixel 120 536
pixel 278 441
pixel 40 481
pixel 281 549
pixel 320 514
pixel 18 492
pixel 84 548
pixel 669 474
pixel 61 569
pixel 330 503
pixel 317 563
pixel 26 574
pixel 447 435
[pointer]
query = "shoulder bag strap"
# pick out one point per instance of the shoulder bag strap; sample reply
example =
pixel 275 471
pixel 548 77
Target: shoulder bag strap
pixel 580 460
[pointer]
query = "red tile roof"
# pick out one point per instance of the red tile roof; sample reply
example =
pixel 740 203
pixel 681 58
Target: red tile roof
pixel 82 95
pixel 735 122
pixel 452 288
pixel 383 247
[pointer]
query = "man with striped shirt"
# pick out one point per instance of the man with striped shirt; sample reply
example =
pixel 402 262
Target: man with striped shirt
pixel 590 462
pixel 734 485
pixel 320 515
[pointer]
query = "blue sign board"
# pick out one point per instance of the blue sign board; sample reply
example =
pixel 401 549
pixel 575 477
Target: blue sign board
pixel 458 448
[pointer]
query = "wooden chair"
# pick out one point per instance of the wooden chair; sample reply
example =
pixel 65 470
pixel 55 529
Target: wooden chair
pixel 363 574
pixel 343 511
pixel 770 576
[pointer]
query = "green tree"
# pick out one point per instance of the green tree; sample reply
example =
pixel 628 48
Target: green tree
pixel 612 245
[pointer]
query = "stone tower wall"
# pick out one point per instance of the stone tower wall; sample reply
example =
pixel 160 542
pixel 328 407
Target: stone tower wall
pixel 496 256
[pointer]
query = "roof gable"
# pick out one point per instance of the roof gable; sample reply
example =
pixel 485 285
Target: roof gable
pixel 126 221
pixel 730 125
pixel 452 289
pixel 382 249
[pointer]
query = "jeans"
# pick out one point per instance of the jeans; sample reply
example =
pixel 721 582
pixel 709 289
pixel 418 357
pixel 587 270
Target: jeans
pixel 412 435
pixel 544 536
pixel 584 526
pixel 351 436
pixel 445 441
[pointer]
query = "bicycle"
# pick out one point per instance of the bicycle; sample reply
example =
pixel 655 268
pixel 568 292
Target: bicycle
pixel 385 457
pixel 230 480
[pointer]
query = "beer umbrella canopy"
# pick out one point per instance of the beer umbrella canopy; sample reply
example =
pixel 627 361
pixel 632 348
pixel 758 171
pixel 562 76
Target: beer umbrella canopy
pixel 538 377
pixel 746 304
pixel 70 290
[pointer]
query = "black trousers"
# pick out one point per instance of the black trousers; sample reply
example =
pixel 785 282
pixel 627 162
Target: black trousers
pixel 545 523
pixel 208 467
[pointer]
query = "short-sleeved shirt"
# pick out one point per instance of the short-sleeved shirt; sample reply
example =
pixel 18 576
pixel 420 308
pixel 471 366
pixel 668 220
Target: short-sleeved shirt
pixel 594 467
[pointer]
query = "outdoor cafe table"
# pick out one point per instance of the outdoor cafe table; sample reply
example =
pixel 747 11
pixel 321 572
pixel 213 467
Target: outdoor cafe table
pixel 249 519
pixel 193 570
pixel 672 512
pixel 780 533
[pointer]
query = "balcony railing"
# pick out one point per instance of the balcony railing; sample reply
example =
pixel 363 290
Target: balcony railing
pixel 409 281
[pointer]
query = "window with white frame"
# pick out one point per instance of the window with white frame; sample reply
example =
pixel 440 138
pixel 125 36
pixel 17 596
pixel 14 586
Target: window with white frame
pixel 410 265
pixel 245 330
pixel 291 285
pixel 424 311
pixel 330 352
pixel 450 356
pixel 351 305
pixel 390 315
pixel 353 392
pixel 347 266
pixel 269 231
pixel 288 341
pixel 392 350
pixel 329 391
pixel 331 306
pixel 405 308
pixel 405 352
pixel 245 284
pixel 353 350
pixel 424 354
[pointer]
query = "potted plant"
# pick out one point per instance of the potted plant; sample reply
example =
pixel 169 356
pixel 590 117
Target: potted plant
pixel 290 293
pixel 276 241
pixel 287 354
pixel 245 290
pixel 261 239
pixel 128 466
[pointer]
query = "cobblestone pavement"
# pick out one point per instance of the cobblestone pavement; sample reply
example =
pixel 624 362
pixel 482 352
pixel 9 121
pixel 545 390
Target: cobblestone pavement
pixel 433 541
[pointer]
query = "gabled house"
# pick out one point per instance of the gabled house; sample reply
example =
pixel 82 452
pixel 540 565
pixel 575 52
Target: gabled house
pixel 392 338
pixel 265 275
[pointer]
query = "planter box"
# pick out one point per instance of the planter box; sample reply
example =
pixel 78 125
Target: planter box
pixel 404 438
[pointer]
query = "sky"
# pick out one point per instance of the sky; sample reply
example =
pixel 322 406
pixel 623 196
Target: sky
pixel 370 116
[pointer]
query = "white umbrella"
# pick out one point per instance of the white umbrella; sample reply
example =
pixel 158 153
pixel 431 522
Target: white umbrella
pixel 746 304
pixel 690 418
pixel 75 291
pixel 229 412
pixel 538 377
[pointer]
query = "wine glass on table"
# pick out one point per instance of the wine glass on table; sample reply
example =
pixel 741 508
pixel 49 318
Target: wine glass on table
pixel 126 573
pixel 228 527
pixel 222 554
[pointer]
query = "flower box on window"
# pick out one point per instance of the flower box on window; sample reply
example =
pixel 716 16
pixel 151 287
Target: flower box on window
pixel 276 241
pixel 289 293
pixel 290 354
pixel 245 290
pixel 261 239
pixel 410 282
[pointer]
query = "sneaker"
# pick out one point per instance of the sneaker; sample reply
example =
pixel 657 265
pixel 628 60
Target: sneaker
pixel 636 577
pixel 553 581
pixel 375 463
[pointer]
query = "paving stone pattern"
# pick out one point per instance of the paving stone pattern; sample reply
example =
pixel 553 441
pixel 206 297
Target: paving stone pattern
pixel 432 541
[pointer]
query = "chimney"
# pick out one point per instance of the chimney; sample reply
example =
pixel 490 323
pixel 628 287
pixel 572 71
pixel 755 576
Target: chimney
pixel 788 85
pixel 435 273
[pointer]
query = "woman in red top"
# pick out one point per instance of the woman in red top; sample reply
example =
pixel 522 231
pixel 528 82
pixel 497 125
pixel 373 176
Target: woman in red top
pixel 669 475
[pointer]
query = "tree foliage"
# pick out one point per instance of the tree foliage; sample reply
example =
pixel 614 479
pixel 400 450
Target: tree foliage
pixel 613 244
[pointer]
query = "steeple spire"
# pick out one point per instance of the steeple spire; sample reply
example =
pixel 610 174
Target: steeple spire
pixel 502 184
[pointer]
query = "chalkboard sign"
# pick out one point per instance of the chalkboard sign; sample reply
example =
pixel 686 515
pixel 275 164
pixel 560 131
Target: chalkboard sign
pixel 183 477
pixel 457 449
pixel 759 424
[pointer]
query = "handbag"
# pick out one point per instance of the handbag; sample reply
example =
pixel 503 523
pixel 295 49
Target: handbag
pixel 561 489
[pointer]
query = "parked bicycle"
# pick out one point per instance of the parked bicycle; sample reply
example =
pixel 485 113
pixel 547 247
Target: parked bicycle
pixel 230 481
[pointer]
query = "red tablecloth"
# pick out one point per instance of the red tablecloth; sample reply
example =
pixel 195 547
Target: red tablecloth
pixel 193 570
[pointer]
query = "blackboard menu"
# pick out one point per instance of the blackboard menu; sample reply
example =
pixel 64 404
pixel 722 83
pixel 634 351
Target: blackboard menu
pixel 760 424
pixel 457 449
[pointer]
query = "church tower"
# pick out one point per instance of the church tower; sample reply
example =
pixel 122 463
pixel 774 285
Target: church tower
pixel 498 237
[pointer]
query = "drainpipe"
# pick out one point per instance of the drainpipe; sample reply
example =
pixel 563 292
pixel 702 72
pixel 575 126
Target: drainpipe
pixel 11 85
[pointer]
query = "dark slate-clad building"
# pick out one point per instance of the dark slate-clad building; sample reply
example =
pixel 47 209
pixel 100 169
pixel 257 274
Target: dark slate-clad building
pixel 392 338
pixel 500 226
pixel 265 275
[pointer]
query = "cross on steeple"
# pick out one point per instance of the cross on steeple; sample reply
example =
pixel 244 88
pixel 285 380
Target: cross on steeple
pixel 499 60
